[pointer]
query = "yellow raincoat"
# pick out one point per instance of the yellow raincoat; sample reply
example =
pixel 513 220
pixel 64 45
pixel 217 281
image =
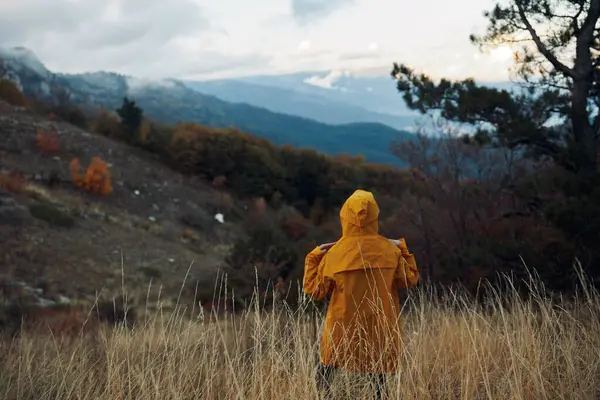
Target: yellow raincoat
pixel 362 272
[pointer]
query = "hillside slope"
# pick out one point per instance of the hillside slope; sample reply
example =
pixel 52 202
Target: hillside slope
pixel 154 224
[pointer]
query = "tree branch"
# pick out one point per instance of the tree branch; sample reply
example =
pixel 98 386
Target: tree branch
pixel 596 126
pixel 541 47
pixel 585 38
pixel 551 148
pixel 575 23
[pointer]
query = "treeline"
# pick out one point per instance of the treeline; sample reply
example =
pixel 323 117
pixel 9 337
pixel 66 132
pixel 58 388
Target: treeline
pixel 249 166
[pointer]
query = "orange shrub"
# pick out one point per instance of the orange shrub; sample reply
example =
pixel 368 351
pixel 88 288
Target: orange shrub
pixel 107 124
pixel 143 132
pixel 47 142
pixel 10 93
pixel 14 181
pixel 96 179
pixel 58 321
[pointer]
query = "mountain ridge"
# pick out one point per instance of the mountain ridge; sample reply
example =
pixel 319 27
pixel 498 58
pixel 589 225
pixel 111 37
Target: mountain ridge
pixel 171 101
pixel 313 106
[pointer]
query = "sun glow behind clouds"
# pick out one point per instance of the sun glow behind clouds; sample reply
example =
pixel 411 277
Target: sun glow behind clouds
pixel 501 53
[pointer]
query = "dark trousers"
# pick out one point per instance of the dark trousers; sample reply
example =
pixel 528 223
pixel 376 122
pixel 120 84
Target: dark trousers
pixel 325 374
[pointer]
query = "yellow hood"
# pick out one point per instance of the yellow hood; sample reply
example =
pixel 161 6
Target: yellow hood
pixel 359 215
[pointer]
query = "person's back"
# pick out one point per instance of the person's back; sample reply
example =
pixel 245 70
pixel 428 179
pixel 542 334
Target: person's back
pixel 362 272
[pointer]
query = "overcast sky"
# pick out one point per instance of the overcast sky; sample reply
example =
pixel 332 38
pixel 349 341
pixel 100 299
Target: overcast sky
pixel 227 38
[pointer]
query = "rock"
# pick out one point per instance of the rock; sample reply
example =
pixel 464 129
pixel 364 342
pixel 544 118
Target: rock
pixel 97 215
pixel 11 212
pixel 45 302
pixel 198 219
pixel 63 300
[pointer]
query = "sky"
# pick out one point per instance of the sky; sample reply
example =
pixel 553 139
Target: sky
pixel 209 39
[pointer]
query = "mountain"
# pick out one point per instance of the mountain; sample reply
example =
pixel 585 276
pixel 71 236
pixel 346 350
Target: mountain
pixel 376 93
pixel 326 96
pixel 21 66
pixel 307 104
pixel 172 101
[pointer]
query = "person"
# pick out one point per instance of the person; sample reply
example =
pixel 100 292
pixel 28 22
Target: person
pixel 361 273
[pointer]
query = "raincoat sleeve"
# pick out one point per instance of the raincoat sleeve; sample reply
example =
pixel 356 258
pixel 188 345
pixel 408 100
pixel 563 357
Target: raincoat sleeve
pixel 407 274
pixel 316 285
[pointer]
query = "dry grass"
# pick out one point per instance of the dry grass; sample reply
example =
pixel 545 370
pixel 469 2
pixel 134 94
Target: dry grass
pixel 513 348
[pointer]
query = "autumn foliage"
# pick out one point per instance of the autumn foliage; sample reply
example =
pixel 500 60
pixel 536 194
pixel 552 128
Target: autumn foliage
pixel 304 178
pixel 13 181
pixel 59 321
pixel 10 93
pixel 47 141
pixel 107 124
pixel 96 179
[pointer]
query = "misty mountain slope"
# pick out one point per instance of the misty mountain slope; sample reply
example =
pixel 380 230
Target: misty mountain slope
pixel 377 94
pixel 172 101
pixel 314 106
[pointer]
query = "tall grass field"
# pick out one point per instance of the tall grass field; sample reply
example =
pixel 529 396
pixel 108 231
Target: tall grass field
pixel 514 346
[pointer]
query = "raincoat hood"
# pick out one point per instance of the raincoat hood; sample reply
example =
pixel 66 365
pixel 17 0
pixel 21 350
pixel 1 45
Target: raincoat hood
pixel 359 214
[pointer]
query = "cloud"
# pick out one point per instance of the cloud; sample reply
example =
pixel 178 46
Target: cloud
pixel 308 10
pixel 372 52
pixel 359 55
pixel 152 38
pixel 304 46
pixel 214 62
pixel 328 81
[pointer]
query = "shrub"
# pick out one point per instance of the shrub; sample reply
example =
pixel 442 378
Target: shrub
pixel 107 124
pixel 143 133
pixel 51 214
pixel 13 181
pixel 96 179
pixel 10 93
pixel 151 272
pixel 72 115
pixel 198 219
pixel 265 249
pixel 115 312
pixel 293 223
pixel 46 141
